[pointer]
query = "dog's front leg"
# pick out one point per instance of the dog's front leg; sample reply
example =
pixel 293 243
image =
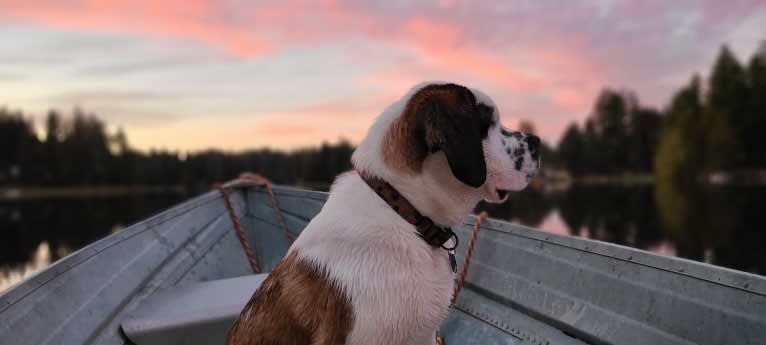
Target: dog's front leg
pixel 295 305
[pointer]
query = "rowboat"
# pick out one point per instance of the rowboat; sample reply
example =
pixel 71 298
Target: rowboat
pixel 181 277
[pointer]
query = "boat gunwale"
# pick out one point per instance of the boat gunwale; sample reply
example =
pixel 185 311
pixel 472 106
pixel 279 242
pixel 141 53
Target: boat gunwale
pixel 298 192
pixel 727 277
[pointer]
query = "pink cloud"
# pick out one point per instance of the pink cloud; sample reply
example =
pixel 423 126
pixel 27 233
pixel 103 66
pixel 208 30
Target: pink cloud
pixel 172 18
pixel 538 61
pixel 449 47
pixel 440 42
pixel 572 99
pixel 264 28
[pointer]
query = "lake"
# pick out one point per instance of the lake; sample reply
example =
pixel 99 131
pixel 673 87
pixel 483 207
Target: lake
pixel 721 226
pixel 36 232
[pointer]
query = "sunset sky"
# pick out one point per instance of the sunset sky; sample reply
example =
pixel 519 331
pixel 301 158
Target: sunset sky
pixel 192 74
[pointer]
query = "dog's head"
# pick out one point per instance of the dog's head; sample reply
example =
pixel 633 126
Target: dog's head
pixel 462 125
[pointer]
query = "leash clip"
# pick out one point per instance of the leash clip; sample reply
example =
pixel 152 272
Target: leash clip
pixel 451 250
pixel 452 260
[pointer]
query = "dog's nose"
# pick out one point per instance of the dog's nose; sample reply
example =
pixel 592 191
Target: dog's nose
pixel 533 141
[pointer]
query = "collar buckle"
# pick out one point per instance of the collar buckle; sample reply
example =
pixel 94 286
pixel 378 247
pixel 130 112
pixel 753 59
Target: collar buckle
pixel 434 235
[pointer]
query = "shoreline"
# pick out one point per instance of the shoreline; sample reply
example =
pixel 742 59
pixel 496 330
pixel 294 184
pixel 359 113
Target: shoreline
pixel 9 193
pixel 552 182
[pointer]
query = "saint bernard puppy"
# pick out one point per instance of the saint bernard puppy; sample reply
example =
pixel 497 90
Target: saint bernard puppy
pixel 372 267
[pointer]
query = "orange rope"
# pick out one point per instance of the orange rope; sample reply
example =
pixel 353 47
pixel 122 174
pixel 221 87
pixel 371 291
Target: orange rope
pixel 244 179
pixel 468 252
pixel 239 229
pixel 466 260
pixel 265 182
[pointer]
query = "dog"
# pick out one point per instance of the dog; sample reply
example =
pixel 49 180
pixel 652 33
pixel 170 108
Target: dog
pixel 371 267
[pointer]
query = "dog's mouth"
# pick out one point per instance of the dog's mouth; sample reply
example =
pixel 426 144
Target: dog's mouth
pixel 500 188
pixel 500 196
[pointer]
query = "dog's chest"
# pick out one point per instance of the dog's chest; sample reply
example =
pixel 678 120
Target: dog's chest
pixel 400 288
pixel 405 297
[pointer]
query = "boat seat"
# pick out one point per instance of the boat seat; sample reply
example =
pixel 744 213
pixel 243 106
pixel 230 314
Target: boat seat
pixel 199 313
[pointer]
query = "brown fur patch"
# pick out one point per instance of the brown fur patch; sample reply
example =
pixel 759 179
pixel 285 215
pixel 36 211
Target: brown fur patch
pixel 404 146
pixel 295 305
pixel 440 117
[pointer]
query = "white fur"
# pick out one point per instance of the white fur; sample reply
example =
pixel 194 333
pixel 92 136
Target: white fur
pixel 399 286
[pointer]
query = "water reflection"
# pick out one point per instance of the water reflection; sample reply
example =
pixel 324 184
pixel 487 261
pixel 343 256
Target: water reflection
pixel 34 233
pixel 722 226
pixel 10 275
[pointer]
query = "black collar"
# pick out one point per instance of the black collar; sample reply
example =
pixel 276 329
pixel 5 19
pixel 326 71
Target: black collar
pixel 434 235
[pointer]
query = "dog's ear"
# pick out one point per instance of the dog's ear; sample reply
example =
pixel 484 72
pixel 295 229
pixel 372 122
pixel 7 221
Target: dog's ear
pixel 451 123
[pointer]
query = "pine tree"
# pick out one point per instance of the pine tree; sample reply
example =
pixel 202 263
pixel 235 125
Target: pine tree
pixel 753 136
pixel 571 151
pixel 725 117
pixel 643 132
pixel 678 158
pixel 609 119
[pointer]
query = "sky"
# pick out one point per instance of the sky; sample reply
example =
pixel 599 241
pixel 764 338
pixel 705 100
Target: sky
pixel 195 74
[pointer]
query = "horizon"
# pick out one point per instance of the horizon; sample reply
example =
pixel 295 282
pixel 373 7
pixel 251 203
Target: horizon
pixel 193 76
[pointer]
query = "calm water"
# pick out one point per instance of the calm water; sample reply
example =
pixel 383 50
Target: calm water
pixel 722 226
pixel 34 233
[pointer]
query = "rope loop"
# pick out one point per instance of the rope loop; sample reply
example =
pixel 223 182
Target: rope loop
pixel 247 179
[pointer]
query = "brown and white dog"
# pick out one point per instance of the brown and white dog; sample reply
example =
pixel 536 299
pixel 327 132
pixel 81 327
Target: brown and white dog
pixel 360 274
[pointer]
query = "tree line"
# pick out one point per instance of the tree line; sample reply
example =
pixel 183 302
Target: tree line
pixel 80 151
pixel 709 126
